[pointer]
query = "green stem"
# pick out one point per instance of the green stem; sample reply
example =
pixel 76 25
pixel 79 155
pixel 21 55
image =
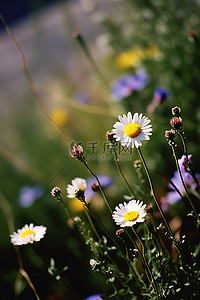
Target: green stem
pixel 122 175
pixel 92 225
pixel 90 58
pixel 136 247
pixel 184 185
pixel 114 242
pixel 154 194
pixel 146 265
pixel 100 187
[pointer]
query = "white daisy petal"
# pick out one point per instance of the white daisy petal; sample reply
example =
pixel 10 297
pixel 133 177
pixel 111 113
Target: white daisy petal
pixel 77 184
pixel 131 130
pixel 129 214
pixel 28 234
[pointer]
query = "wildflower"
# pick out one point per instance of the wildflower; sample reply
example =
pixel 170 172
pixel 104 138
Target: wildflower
pixel 149 209
pixel 82 98
pixel 56 192
pixel 60 116
pixel 131 58
pixel 28 234
pixel 127 84
pixel 120 233
pixel 176 123
pixel 134 253
pixel 129 214
pixel 183 162
pixel 28 195
pixel 93 263
pixel 176 111
pixel 160 95
pixel 76 206
pixel 77 152
pixel 78 184
pixel 94 297
pixel 131 130
pixel 110 136
pixel 170 134
pixel 173 197
pixel 93 186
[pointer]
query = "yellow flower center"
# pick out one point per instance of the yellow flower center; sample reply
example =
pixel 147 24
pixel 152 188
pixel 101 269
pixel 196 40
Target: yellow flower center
pixel 81 189
pixel 132 130
pixel 131 216
pixel 26 232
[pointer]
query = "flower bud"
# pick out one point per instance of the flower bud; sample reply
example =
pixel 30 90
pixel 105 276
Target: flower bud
pixel 176 123
pixel 110 136
pixel 176 111
pixel 170 134
pixel 56 192
pixel 120 233
pixel 77 152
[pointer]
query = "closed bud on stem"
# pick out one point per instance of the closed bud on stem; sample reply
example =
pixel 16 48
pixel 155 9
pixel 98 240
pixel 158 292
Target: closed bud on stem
pixel 95 187
pixel 176 123
pixel 170 134
pixel 134 253
pixel 77 152
pixel 110 136
pixel 56 192
pixel 176 111
pixel 120 233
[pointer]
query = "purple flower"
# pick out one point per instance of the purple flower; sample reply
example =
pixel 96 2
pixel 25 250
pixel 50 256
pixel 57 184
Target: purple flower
pixel 183 162
pixel 92 185
pixel 28 195
pixel 82 98
pixel 127 84
pixel 173 197
pixel 160 95
pixel 95 297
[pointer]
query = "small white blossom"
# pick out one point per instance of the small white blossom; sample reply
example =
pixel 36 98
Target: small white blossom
pixel 28 234
pixel 131 130
pixel 77 184
pixel 129 214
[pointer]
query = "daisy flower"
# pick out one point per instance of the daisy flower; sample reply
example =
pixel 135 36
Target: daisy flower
pixel 28 234
pixel 77 184
pixel 131 130
pixel 129 214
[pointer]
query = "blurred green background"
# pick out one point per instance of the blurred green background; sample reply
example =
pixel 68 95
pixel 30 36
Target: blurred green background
pixel 33 150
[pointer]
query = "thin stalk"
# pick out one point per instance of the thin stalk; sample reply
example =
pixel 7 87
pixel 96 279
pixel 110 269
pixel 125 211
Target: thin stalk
pixel 100 187
pixel 68 285
pixel 115 243
pixel 146 265
pixel 184 185
pixel 154 194
pixel 92 62
pixel 7 211
pixel 91 224
pixel 136 247
pixel 121 174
